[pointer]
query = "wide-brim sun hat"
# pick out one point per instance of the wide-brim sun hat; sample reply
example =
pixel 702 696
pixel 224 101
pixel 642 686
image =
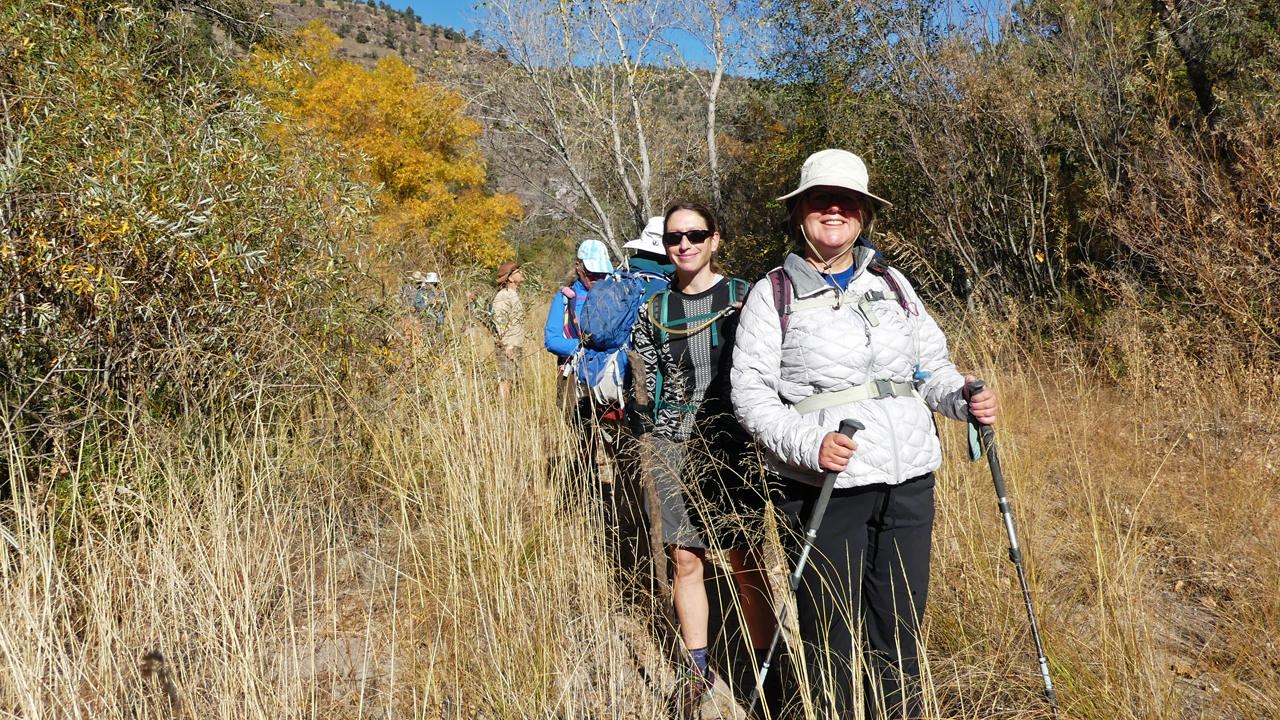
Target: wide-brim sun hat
pixel 595 257
pixel 505 270
pixel 650 239
pixel 834 168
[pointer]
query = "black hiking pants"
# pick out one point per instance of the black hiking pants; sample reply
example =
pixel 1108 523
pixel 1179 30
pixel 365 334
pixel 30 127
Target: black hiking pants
pixel 866 583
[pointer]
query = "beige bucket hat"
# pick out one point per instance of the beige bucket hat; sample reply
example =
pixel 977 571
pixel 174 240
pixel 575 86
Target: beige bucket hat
pixel 834 168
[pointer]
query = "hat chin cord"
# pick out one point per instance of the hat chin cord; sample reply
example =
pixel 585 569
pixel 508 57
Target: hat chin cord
pixel 826 264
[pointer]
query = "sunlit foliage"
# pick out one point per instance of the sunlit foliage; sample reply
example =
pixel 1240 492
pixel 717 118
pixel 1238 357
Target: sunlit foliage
pixel 145 214
pixel 413 138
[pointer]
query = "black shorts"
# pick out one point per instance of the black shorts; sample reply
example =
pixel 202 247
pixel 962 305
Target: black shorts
pixel 711 491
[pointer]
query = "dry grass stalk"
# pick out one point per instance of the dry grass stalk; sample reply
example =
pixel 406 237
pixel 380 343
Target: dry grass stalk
pixel 413 549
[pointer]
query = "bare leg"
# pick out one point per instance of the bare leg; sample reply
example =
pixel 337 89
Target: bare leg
pixel 753 588
pixel 504 389
pixel 689 595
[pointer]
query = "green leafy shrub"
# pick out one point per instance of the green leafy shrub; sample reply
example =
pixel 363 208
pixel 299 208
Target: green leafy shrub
pixel 153 230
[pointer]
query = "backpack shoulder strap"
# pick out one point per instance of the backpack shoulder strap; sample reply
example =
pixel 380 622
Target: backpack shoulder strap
pixel 881 269
pixel 738 289
pixel 781 283
pixel 659 320
pixel 571 325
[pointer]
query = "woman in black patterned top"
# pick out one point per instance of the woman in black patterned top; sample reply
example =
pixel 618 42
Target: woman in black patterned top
pixel 700 453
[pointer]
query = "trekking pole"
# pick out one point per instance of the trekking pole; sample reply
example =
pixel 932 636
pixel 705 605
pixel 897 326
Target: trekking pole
pixel 847 428
pixel 988 444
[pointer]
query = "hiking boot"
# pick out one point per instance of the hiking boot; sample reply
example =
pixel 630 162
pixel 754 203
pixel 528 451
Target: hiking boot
pixel 693 688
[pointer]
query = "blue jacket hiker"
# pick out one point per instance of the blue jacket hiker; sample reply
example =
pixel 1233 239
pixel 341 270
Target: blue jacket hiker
pixel 561 333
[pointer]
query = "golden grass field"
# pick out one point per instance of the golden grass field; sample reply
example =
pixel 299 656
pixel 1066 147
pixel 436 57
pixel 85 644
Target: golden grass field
pixel 400 545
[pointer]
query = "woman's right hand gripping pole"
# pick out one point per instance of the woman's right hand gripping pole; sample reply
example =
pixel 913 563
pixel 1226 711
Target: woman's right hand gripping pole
pixel 835 452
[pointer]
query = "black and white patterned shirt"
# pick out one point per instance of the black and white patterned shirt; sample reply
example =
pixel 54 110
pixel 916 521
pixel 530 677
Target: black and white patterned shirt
pixel 694 370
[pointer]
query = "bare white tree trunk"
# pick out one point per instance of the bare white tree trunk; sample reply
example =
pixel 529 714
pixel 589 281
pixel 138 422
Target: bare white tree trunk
pixel 727 31
pixel 577 94
pixel 713 152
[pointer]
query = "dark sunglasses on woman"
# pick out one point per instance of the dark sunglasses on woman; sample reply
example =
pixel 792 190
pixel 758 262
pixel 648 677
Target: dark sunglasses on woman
pixel 696 237
pixel 823 200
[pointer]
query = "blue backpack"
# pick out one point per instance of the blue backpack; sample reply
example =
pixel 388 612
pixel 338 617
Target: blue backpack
pixel 610 310
pixel 605 321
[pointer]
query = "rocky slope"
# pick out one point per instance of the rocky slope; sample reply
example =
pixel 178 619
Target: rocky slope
pixel 428 48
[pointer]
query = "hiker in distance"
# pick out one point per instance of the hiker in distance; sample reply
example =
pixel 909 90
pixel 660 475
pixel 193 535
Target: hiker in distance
pixel 685 338
pixel 508 322
pixel 836 333
pixel 560 336
pixel 429 300
pixel 648 257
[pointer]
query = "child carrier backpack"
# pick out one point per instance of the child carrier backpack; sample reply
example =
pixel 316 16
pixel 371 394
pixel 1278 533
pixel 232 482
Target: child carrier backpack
pixel 605 322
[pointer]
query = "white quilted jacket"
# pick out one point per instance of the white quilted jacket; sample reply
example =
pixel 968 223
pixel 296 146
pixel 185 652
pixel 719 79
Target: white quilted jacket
pixel 829 349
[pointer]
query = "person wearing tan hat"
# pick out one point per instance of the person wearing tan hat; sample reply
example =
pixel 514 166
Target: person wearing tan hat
pixel 836 333
pixel 508 321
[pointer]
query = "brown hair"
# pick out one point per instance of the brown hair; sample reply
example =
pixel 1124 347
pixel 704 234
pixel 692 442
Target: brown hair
pixel 707 217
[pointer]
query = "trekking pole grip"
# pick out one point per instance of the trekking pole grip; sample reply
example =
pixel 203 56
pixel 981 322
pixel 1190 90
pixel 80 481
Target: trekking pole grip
pixel 987 435
pixel 848 427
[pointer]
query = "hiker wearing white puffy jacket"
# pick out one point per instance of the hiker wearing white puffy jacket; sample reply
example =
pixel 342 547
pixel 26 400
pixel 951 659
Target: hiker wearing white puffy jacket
pixel 836 333
pixel 700 455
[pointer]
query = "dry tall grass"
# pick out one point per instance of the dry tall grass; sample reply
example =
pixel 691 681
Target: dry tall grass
pixel 403 548
pixel 406 547
pixel 1151 514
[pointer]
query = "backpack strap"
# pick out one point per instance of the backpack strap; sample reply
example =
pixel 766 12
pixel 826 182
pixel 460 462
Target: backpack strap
pixel 736 299
pixel 572 329
pixel 881 269
pixel 699 323
pixel 660 298
pixel 781 283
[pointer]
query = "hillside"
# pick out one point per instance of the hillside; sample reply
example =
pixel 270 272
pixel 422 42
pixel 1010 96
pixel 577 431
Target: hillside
pixel 427 48
pixel 674 110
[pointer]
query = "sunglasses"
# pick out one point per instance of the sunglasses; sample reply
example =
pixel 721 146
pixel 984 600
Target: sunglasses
pixel 825 201
pixel 696 237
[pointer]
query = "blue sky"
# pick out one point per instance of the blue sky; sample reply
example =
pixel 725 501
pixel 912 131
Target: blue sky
pixel 460 13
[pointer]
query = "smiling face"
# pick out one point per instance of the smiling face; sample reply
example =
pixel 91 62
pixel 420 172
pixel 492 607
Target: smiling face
pixel 690 258
pixel 831 218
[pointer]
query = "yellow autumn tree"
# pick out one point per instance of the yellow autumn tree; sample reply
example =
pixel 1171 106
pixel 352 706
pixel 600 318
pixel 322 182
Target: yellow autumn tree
pixel 414 138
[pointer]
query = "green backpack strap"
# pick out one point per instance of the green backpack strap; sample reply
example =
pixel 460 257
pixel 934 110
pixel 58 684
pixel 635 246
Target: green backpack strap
pixel 659 320
pixel 738 289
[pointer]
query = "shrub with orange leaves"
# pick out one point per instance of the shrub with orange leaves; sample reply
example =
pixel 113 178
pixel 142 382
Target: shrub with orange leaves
pixel 413 140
